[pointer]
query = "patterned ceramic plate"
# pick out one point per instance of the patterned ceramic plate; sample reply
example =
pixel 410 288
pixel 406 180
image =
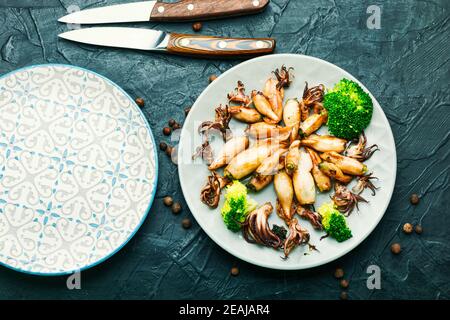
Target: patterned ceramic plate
pixel 254 73
pixel 78 169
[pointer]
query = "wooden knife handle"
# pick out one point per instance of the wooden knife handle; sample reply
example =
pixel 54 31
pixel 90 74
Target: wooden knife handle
pixel 198 45
pixel 188 10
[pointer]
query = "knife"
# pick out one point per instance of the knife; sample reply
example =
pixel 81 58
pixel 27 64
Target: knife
pixel 183 10
pixel 184 44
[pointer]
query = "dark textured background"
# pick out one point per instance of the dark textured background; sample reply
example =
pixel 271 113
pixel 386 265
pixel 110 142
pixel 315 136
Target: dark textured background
pixel 405 64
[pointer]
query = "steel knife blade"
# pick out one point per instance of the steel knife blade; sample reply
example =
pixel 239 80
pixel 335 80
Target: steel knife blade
pixel 183 10
pixel 185 44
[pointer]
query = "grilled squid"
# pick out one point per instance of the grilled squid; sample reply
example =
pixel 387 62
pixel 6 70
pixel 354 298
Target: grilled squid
pixel 345 200
pixel 297 236
pixel 292 157
pixel 303 181
pixel 220 123
pixel 262 130
pixel 311 216
pixel 239 96
pixel 363 183
pixel 270 165
pixel 324 143
pixel 255 228
pixel 250 159
pixel 346 164
pixel 231 148
pixel 359 151
pixel 274 96
pixel 282 184
pixel 263 106
pixel 291 117
pixel 313 123
pixel 333 171
pixel 245 114
pixel 312 97
pixel 323 182
pixel 210 193
pixel 259 182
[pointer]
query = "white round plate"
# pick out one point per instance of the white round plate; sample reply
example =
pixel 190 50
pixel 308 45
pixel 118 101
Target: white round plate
pixel 78 169
pixel 193 175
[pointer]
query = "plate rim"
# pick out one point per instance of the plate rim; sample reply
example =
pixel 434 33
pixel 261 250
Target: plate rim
pixel 328 259
pixel 155 182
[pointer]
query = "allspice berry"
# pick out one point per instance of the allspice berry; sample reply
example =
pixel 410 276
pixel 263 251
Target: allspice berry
pixel 169 150
pixel 234 271
pixel 343 295
pixel 197 26
pixel 186 223
pixel 339 273
pixel 140 102
pixel 418 229
pixel 167 131
pixel 212 78
pixel 396 248
pixel 344 283
pixel 171 122
pixel 162 146
pixel 176 208
pixel 408 228
pixel 414 199
pixel 176 126
pixel 168 201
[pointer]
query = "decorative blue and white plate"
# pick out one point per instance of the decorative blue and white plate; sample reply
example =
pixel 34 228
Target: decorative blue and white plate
pixel 78 169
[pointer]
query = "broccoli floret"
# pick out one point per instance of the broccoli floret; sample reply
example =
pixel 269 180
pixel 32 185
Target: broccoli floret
pixel 280 231
pixel 334 222
pixel 349 109
pixel 237 206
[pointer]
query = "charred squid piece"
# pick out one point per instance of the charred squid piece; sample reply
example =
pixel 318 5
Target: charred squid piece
pixel 283 76
pixel 325 143
pixel 285 195
pixel 359 151
pixel 311 216
pixel 346 164
pixel 259 182
pixel 312 123
pixel 239 96
pixel 271 164
pixel 205 152
pixel 256 228
pixel 303 181
pixel 231 149
pixel 292 157
pixel 297 236
pixel 345 200
pixel 291 117
pixel 275 97
pixel 210 193
pixel 220 123
pixel 250 159
pixel 245 114
pixel 262 130
pixel 323 181
pixel 363 183
pixel 333 171
pixel 312 97
pixel 263 106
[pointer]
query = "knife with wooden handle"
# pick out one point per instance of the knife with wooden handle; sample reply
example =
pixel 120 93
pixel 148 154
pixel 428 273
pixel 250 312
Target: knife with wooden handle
pixel 184 44
pixel 183 10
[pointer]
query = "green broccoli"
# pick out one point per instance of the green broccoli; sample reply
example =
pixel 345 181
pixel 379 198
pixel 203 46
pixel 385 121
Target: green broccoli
pixel 237 206
pixel 334 222
pixel 349 109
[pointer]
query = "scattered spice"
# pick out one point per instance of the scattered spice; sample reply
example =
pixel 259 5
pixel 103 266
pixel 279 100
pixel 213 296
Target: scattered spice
pixel 176 208
pixel 169 151
pixel 212 78
pixel 162 146
pixel 343 295
pixel 418 228
pixel 167 131
pixel 396 248
pixel 339 273
pixel 176 126
pixel 186 223
pixel 140 102
pixel 235 271
pixel 197 26
pixel 186 110
pixel 344 283
pixel 414 199
pixel 168 201
pixel 171 122
pixel 408 228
